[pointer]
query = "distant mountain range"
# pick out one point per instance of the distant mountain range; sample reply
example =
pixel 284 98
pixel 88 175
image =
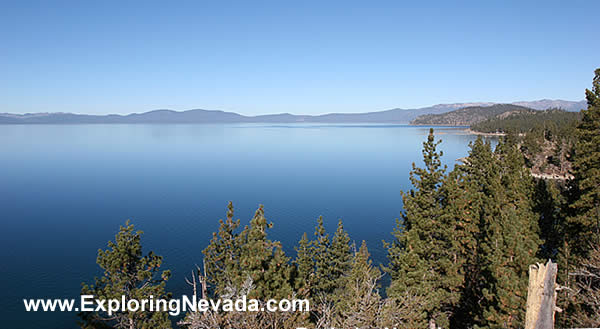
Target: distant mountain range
pixel 400 116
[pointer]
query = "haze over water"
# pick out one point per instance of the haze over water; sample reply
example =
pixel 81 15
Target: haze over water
pixel 65 190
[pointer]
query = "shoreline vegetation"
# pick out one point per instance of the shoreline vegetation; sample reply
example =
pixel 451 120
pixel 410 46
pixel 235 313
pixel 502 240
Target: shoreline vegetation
pixel 479 133
pixel 459 254
pixel 546 138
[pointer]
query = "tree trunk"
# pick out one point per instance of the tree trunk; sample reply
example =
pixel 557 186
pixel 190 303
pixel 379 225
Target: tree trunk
pixel 541 296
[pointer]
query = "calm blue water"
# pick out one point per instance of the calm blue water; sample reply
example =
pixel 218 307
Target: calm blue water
pixel 64 191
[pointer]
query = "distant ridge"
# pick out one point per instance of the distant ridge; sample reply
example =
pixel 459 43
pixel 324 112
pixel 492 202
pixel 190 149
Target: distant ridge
pixel 545 104
pixel 398 116
pixel 470 115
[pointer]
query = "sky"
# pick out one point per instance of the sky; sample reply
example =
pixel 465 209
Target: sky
pixel 301 57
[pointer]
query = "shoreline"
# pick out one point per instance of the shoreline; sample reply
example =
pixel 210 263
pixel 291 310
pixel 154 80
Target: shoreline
pixel 473 132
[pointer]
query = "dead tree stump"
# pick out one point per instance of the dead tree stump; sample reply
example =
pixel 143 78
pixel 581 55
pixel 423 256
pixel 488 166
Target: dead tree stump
pixel 541 296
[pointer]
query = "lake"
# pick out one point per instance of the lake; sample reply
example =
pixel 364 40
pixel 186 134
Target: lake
pixel 65 189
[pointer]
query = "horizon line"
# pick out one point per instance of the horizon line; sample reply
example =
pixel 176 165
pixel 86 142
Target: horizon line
pixel 472 103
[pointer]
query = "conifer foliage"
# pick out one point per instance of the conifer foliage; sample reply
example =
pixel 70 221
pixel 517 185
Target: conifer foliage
pixel 359 305
pixel 495 232
pixel 233 257
pixel 419 254
pixel 304 264
pixel 509 240
pixel 127 273
pixel 222 255
pixel 582 228
pixel 584 224
pixel 264 261
pixel 340 256
pixel 466 239
pixel 322 256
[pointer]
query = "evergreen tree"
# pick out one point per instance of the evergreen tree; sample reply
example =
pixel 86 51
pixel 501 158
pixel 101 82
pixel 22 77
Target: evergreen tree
pixel 304 263
pixel 461 204
pixel 332 259
pixel 264 261
pixel 510 241
pixel 359 304
pixel 584 224
pixel 549 205
pixel 231 259
pixel 419 256
pixel 340 256
pixel 127 273
pixel 222 255
pixel 496 232
pixel 323 285
pixel 473 205
pixel 583 221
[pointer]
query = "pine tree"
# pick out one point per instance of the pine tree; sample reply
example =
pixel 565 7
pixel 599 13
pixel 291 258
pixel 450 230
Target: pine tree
pixel 359 304
pixel 470 192
pixel 510 240
pixel 419 256
pixel 340 256
pixel 583 221
pixel 332 259
pixel 127 273
pixel 461 204
pixel 303 276
pixel 304 263
pixel 584 224
pixel 549 204
pixel 323 285
pixel 264 260
pixel 232 258
pixel 222 255
pixel 496 234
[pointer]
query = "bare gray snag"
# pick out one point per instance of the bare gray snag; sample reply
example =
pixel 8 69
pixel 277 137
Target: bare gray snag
pixel 541 296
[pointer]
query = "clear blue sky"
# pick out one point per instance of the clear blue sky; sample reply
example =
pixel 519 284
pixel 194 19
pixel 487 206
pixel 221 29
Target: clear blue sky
pixel 255 57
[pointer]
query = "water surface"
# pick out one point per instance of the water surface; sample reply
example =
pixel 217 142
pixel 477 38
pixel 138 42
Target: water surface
pixel 65 189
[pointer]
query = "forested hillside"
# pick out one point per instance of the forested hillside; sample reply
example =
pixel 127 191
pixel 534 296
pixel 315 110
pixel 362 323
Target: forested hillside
pixel 469 115
pixel 556 121
pixel 546 138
